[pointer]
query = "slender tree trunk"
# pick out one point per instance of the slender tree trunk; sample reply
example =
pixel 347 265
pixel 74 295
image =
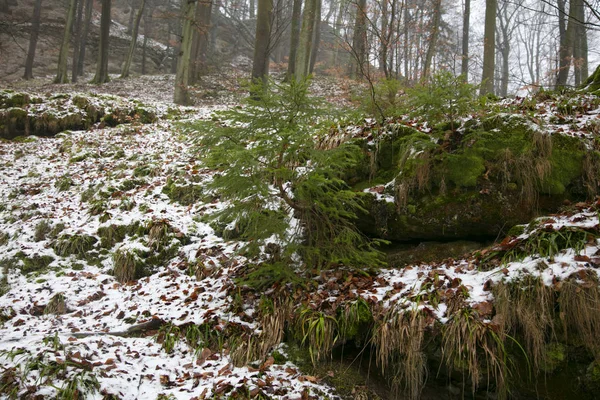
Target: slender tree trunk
pixel 337 29
pixel 566 51
pixel 489 48
pixel 102 66
pixel 306 39
pixel 295 37
pixel 61 75
pixel 464 66
pixel 437 19
pixel 317 37
pixel 262 44
pixel 359 40
pixel 78 27
pixel 383 52
pixel 132 4
pixel 200 40
pixel 86 29
pixel 580 47
pixel 252 9
pixel 133 44
pixel 183 66
pixel 33 38
pixel 147 32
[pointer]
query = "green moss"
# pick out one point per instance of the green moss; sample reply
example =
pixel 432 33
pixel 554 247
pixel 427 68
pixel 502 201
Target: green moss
pixel 517 230
pixel 567 165
pixel 113 234
pixel 185 195
pixel 63 183
pixel 78 245
pixel 463 170
pixel 555 356
pixel 33 263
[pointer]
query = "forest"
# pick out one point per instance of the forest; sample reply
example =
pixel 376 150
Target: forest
pixel 288 199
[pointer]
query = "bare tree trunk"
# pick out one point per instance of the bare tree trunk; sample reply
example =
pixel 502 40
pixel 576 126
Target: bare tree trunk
pixel 580 47
pixel 183 66
pixel 131 14
pixel 337 29
pixel 262 44
pixel 566 51
pixel 77 33
pixel 489 48
pixel 437 18
pixel 464 66
pixel 133 44
pixel 306 40
pixel 86 29
pixel 359 40
pixel 33 38
pixel 200 40
pixel 147 32
pixel 317 37
pixel 252 9
pixel 295 37
pixel 102 66
pixel 61 75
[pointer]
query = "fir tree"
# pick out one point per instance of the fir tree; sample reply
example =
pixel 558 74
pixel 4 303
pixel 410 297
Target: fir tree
pixel 280 186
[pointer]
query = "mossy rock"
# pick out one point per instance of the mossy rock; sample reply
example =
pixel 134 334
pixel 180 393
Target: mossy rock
pixel 593 82
pixel 499 173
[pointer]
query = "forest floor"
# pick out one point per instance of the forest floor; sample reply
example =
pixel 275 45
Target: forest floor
pixel 74 205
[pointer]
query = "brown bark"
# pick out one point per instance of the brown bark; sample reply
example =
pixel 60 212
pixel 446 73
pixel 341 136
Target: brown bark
pixel 102 66
pixel 33 38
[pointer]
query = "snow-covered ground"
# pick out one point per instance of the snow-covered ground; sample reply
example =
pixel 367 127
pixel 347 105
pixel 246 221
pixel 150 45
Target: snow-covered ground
pixel 90 180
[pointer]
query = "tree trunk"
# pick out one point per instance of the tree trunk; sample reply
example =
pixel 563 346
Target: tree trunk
pixel 86 29
pixel 317 37
pixel 78 22
pixel 262 43
pixel 566 51
pixel 200 41
pixel 359 40
pixel 132 4
pixel 337 30
pixel 306 39
pixel 183 66
pixel 147 32
pixel 464 66
pixel 33 38
pixel 102 66
pixel 437 19
pixel 383 52
pixel 252 9
pixel 61 75
pixel 580 47
pixel 295 37
pixel 133 44
pixel 489 48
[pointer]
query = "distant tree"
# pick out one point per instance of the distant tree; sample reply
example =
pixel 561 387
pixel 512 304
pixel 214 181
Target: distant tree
pixel 294 37
pixel 102 66
pixel 76 47
pixel 33 38
pixel 359 40
pixel 316 37
pixel 148 22
pixel 133 44
pixel 183 65
pixel 464 66
pixel 489 48
pixel 61 74
pixel 262 44
pixel 84 35
pixel 306 40
pixel 435 29
pixel 200 41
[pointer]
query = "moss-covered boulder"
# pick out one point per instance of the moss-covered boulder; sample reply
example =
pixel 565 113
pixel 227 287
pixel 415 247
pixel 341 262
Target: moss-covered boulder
pixel 499 172
pixel 25 114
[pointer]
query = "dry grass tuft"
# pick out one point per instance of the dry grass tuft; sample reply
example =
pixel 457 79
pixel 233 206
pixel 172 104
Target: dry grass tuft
pixel 579 302
pixel 399 341
pixel 477 347
pixel 125 265
pixel 274 316
pixel 527 307
pixel 57 305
